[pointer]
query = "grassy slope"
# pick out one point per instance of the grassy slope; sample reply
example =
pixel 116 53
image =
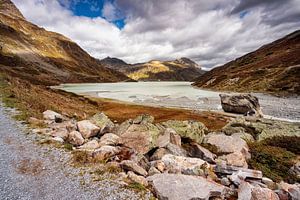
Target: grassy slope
pixel 273 68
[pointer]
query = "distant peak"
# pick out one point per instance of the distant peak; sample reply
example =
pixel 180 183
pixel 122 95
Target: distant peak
pixel 7 7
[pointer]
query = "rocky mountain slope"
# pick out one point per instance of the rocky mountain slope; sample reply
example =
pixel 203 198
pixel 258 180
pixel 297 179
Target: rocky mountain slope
pixel 273 68
pixel 32 53
pixel 182 69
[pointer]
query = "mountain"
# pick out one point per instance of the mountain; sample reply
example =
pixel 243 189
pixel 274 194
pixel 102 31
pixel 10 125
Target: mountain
pixel 43 57
pixel 182 69
pixel 273 68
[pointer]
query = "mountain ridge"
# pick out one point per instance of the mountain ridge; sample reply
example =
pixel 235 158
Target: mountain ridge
pixel 272 68
pixel 182 69
pixel 44 57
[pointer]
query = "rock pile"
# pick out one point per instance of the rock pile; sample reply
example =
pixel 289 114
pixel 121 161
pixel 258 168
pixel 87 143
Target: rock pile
pixel 175 159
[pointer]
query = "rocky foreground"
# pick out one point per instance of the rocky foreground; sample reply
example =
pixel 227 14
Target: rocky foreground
pixel 177 159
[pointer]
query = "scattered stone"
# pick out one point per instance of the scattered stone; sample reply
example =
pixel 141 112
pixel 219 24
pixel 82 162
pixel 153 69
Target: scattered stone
pixel 141 137
pixel 63 133
pixel 130 165
pixel 246 104
pixel 75 138
pixel 103 122
pixel 109 139
pixel 153 171
pixel 225 181
pixel 236 159
pixel 122 128
pixel 52 116
pixel 159 153
pixel 292 189
pixel 87 128
pixel 105 152
pixel 168 137
pixel 176 150
pixel 245 136
pixel 247 191
pixel 187 129
pixel 296 169
pixel 197 151
pixel 90 145
pixel 137 179
pixel 158 164
pixel 184 165
pixel 228 144
pixel 245 173
pixel 184 187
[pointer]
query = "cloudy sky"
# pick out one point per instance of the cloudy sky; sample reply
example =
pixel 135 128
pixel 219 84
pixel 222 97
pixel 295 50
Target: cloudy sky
pixel 211 32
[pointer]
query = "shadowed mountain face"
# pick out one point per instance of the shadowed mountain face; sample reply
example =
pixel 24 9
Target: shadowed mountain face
pixel 273 68
pixel 182 69
pixel 43 57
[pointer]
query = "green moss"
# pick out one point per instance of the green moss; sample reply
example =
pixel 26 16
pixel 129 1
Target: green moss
pixel 136 186
pixel 274 162
pixel 68 146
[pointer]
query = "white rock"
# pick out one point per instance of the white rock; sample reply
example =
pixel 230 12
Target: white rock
pixel 130 165
pixel 52 116
pixel 75 138
pixel 184 187
pixel 247 191
pixel 184 165
pixel 93 144
pixel 109 139
pixel 87 128
pixel 105 152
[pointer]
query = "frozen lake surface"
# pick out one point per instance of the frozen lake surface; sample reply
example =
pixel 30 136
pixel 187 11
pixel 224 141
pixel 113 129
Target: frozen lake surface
pixel 181 95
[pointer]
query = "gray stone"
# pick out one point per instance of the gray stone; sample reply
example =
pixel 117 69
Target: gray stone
pixel 242 172
pixel 236 159
pixel 169 136
pixel 103 122
pixel 141 137
pixel 130 165
pixel 143 119
pixel 52 116
pixel 105 152
pixel 292 189
pixel 197 151
pixel 87 128
pixel 246 104
pixel 184 165
pixel 62 132
pixel 153 171
pixel 75 138
pixel 184 187
pixel 137 179
pixel 247 191
pixel 187 129
pixel 110 139
pixel 90 145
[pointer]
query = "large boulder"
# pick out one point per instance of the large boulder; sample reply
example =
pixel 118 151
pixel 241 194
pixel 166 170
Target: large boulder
pixel 197 151
pixel 103 122
pixel 141 137
pixel 293 190
pixel 61 132
pixel 263 128
pixel 187 129
pixel 246 104
pixel 184 187
pixel 184 165
pixel 109 139
pixel 169 136
pixel 75 138
pixel 228 144
pixel 87 128
pixel 50 115
pixel 247 191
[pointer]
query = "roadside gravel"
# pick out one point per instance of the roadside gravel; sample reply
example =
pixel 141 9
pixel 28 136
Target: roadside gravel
pixel 30 171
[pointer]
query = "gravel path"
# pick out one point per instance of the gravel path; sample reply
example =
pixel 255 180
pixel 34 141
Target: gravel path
pixel 30 171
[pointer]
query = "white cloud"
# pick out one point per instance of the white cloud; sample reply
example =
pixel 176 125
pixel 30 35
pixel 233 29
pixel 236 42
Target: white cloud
pixel 206 31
